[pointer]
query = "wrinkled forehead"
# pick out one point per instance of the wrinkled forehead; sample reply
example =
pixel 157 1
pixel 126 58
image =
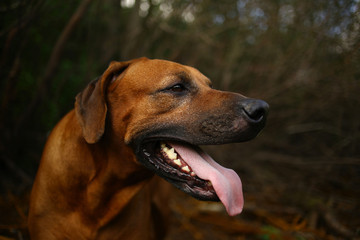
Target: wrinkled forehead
pixel 159 71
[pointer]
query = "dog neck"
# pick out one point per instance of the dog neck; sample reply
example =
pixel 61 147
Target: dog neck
pixel 114 182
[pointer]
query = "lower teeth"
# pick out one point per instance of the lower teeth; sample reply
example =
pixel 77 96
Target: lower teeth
pixel 177 162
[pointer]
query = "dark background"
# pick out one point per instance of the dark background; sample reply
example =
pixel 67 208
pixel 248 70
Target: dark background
pixel 301 175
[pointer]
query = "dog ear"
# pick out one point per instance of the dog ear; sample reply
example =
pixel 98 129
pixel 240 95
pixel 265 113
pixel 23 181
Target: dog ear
pixel 90 104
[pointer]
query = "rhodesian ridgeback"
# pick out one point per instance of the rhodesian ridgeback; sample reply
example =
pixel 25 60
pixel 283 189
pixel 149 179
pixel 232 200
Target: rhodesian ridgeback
pixel 142 118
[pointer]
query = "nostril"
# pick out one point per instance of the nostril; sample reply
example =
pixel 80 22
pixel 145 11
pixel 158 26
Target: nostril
pixel 255 115
pixel 256 110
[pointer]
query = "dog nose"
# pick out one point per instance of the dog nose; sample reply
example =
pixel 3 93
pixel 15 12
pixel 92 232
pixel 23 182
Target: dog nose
pixel 255 110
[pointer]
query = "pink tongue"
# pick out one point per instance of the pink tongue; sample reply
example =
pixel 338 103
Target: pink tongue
pixel 226 182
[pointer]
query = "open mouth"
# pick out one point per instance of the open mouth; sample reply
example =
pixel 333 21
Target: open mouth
pixel 193 171
pixel 169 164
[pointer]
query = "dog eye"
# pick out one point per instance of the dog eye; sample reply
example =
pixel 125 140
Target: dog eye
pixel 177 88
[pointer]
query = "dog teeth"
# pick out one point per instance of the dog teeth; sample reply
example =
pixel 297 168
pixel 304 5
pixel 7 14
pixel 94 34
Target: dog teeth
pixel 173 156
pixel 185 169
pixel 170 152
pixel 164 147
pixel 177 162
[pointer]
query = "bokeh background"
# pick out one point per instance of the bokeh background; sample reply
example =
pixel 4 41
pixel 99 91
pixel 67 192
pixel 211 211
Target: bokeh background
pixel 301 175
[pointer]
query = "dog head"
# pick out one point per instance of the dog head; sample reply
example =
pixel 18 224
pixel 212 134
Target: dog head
pixel 163 110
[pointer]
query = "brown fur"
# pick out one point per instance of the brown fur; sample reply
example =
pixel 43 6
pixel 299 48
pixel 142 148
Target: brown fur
pixel 89 184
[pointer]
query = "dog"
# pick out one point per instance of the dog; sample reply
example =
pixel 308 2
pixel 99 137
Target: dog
pixel 100 175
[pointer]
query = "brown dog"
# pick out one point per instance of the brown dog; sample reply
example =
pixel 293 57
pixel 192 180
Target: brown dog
pixel 96 176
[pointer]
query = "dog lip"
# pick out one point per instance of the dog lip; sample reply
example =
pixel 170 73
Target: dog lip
pixel 154 139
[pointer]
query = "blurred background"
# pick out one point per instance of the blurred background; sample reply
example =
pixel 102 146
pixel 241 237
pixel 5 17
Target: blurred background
pixel 301 175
